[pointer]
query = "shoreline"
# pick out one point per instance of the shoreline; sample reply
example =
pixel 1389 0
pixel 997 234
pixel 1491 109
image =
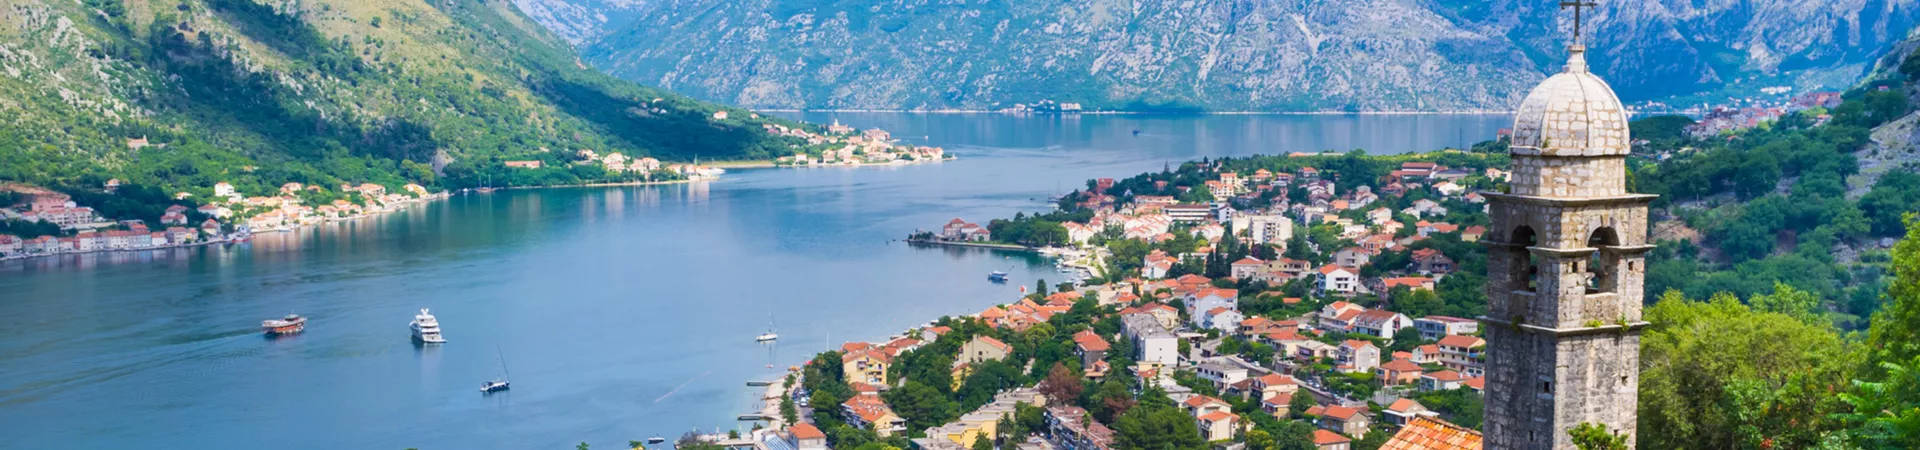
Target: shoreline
pixel 939 243
pixel 770 164
pixel 402 206
pixel 613 184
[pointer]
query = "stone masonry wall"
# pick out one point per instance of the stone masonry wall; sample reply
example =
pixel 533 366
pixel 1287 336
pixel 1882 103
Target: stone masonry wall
pixel 1585 177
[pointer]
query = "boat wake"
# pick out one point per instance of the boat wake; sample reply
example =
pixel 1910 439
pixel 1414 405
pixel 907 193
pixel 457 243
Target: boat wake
pixel 684 384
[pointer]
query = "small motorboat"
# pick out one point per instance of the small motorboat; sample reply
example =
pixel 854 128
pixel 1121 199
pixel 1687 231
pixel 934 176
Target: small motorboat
pixel 290 324
pixel 426 328
pixel 656 440
pixel 997 276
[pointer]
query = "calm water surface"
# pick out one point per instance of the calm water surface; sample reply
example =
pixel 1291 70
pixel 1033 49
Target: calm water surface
pixel 622 313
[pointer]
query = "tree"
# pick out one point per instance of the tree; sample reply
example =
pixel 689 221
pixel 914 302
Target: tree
pixel 1789 301
pixel 582 446
pixel 1719 374
pixel 1061 385
pixel 1111 399
pixel 922 406
pixel 1300 404
pixel 1157 428
pixel 1593 436
pixel 1405 339
pixel 1895 331
pixel 1886 406
pixel 788 413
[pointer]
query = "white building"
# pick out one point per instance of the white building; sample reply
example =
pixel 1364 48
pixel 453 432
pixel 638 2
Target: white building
pixel 1269 229
pixel 1335 279
pixel 1151 341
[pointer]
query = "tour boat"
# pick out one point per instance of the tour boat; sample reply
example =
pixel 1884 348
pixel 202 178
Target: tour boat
pixel 656 440
pixel 290 324
pixel 997 276
pixel 426 329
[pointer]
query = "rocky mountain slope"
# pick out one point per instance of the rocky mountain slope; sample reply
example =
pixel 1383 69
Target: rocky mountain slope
pixel 318 91
pixel 1287 55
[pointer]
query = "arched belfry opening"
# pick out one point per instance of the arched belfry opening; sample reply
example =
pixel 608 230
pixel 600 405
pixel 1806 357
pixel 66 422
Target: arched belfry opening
pixel 1602 263
pixel 1529 279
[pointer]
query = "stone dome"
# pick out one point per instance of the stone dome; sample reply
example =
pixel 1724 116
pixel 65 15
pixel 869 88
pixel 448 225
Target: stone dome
pixel 1573 113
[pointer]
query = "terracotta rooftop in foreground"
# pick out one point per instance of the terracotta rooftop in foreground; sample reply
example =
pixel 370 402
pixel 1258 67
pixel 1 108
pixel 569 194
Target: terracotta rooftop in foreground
pixel 1324 437
pixel 1429 434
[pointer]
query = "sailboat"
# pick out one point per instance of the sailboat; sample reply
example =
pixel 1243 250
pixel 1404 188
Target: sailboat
pixel 769 335
pixel 499 384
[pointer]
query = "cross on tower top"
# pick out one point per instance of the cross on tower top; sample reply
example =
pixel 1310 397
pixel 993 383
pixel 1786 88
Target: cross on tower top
pixel 1577 5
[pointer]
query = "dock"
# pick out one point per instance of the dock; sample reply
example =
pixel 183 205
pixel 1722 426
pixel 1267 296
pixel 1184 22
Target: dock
pixel 754 417
pixel 759 383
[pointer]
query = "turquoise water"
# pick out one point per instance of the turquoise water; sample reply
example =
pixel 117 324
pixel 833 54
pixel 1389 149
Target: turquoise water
pixel 622 312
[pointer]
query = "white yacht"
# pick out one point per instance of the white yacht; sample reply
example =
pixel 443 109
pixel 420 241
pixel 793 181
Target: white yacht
pixel 769 335
pixel 426 328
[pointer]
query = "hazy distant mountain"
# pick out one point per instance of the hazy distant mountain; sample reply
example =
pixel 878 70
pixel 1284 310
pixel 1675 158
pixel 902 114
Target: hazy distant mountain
pixel 1214 54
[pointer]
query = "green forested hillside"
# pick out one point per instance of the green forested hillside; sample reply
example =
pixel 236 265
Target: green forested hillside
pixel 1810 201
pixel 263 92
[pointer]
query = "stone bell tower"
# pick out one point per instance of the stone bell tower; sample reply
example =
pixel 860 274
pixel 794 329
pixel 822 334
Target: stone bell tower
pixel 1566 258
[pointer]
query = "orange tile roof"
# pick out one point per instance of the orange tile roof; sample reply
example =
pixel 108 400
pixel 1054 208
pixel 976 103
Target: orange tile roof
pixel 1217 416
pixel 1445 375
pixel 1400 365
pixel 1461 341
pixel 1202 400
pixel 994 342
pixel 1477 383
pixel 869 407
pixel 805 430
pixel 1286 335
pixel 1341 413
pixel 1324 437
pixel 1091 341
pixel 1403 405
pixel 1429 434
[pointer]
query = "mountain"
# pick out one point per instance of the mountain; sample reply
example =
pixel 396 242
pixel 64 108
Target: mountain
pixel 1271 55
pixel 578 20
pixel 185 93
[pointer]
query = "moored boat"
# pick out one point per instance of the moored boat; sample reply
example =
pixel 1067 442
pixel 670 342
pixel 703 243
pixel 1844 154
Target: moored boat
pixel 290 324
pixel 769 335
pixel 997 276
pixel 498 384
pixel 426 328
